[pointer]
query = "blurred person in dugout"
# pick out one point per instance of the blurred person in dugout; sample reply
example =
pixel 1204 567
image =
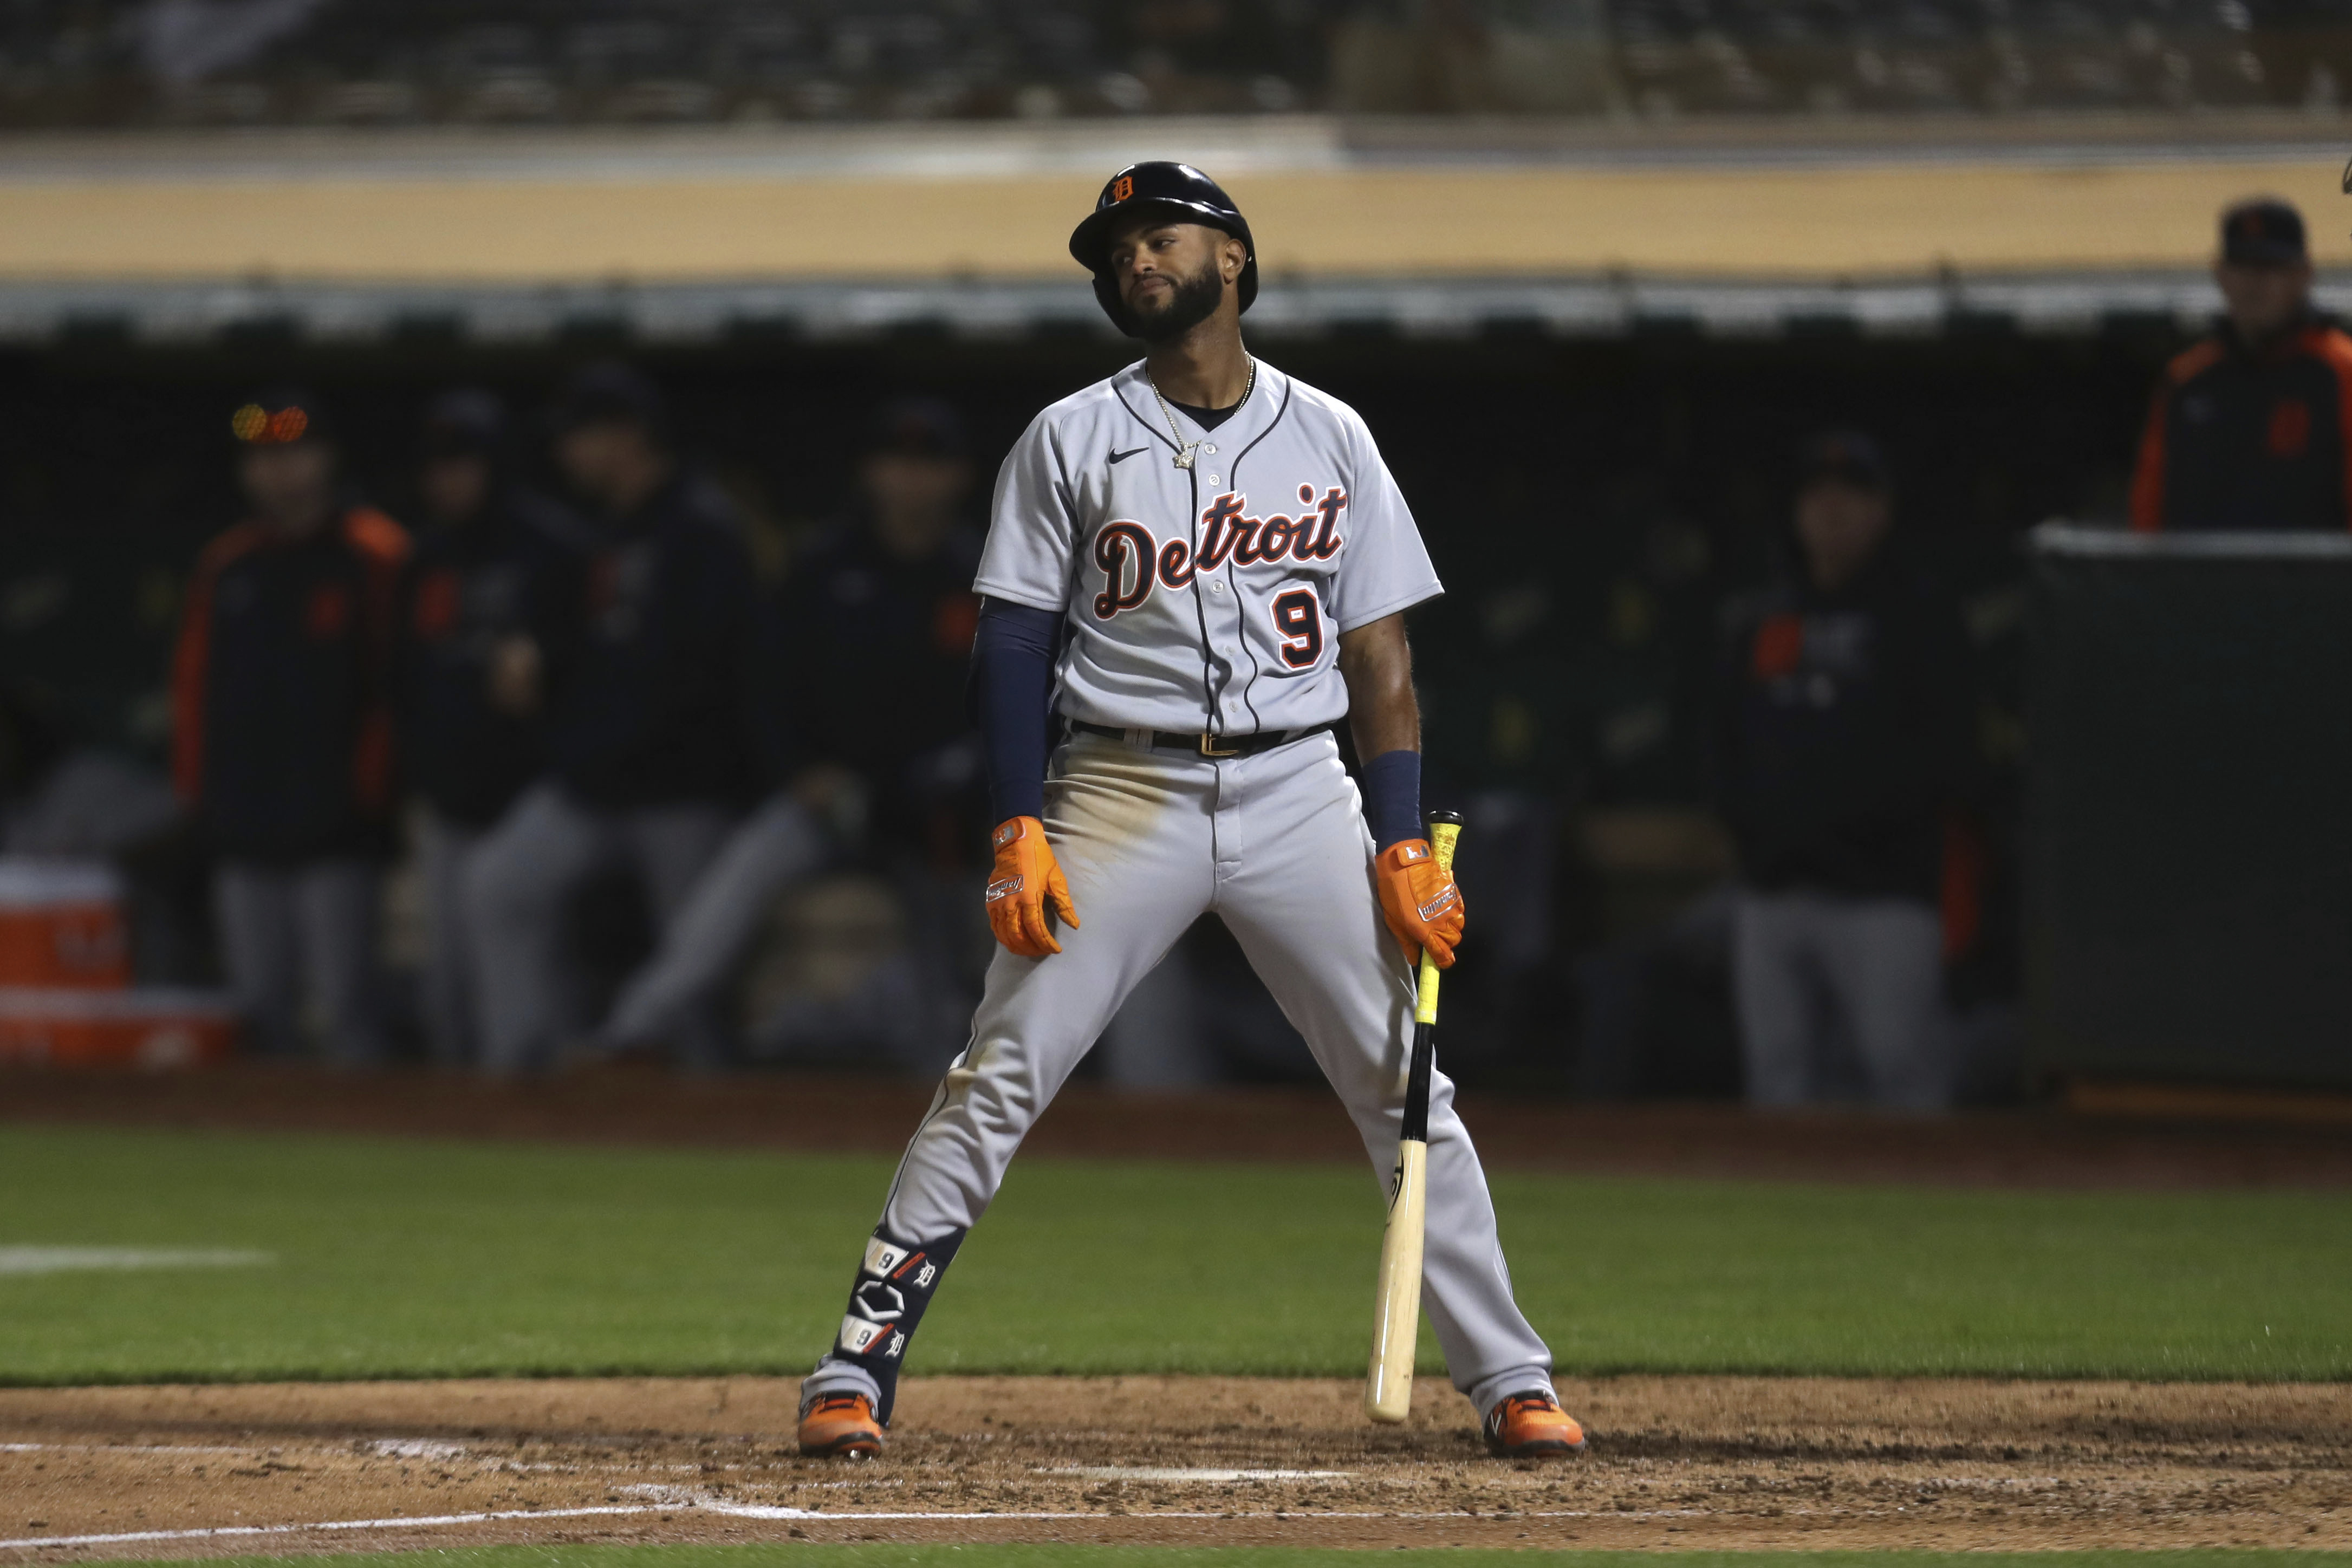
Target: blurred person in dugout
pixel 282 733
pixel 864 654
pixel 2251 428
pixel 650 739
pixel 484 612
pixel 1844 725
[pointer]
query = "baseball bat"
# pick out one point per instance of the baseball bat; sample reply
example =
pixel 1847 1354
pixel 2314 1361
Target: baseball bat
pixel 1396 1311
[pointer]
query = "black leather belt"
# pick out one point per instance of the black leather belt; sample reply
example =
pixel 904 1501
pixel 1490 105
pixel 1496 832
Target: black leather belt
pixel 1202 744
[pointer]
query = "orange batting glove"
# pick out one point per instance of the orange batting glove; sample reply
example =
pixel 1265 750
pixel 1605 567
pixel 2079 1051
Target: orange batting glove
pixel 1027 878
pixel 1420 904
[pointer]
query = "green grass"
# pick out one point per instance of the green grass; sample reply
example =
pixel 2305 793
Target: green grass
pixel 411 1259
pixel 867 1555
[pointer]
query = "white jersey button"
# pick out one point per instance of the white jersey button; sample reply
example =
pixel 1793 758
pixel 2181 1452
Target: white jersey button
pixel 1214 480
pixel 1216 585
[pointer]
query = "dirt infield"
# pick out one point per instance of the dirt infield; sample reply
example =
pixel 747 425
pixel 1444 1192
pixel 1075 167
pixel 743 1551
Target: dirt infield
pixel 2032 1147
pixel 1676 1462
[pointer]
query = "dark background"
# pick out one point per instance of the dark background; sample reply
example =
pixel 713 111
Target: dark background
pixel 1590 503
pixel 1552 461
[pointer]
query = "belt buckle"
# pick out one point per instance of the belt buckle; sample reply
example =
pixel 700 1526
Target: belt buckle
pixel 1207 750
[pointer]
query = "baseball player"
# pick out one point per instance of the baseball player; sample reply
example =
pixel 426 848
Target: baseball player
pixel 1201 566
pixel 281 736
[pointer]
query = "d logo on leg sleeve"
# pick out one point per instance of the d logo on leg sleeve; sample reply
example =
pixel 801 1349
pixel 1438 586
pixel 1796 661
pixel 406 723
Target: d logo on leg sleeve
pixel 894 1285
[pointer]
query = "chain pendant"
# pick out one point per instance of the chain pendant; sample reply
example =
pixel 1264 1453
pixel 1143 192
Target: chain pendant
pixel 1186 450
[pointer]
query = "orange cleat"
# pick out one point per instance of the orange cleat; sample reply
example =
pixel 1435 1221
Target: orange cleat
pixel 1529 1425
pixel 841 1426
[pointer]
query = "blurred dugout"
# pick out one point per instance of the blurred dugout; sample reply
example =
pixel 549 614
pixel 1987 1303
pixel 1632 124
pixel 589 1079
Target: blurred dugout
pixel 863 654
pixel 656 735
pixel 487 618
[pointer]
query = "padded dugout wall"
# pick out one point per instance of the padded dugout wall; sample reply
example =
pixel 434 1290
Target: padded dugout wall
pixel 2188 843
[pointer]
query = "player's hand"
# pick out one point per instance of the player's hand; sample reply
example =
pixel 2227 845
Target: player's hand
pixel 1420 904
pixel 1027 878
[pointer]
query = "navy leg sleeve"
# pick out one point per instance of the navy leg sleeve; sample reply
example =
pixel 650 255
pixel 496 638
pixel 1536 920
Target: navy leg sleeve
pixel 894 1285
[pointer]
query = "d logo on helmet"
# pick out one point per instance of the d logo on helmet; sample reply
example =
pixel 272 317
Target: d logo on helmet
pixel 1122 188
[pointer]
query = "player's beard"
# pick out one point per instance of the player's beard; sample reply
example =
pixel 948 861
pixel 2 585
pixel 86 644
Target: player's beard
pixel 1192 301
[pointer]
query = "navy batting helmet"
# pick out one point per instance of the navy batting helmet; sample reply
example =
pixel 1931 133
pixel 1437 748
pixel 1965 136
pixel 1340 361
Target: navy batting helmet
pixel 1183 194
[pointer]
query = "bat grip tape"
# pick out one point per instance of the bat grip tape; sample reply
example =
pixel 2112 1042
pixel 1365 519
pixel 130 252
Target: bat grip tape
pixel 1414 1127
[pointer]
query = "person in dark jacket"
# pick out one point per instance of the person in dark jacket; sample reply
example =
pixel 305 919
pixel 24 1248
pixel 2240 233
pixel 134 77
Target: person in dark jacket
pixel 485 607
pixel 281 730
pixel 876 622
pixel 1844 718
pixel 865 656
pixel 2252 427
pixel 651 738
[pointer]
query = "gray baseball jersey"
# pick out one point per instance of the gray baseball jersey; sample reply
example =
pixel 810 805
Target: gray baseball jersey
pixel 1208 597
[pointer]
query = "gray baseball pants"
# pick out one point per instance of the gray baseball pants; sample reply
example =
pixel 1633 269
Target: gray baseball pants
pixel 1816 975
pixel 303 932
pixel 520 882
pixel 1276 845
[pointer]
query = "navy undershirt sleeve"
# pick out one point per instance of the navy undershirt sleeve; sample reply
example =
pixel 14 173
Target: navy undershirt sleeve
pixel 1393 797
pixel 1012 693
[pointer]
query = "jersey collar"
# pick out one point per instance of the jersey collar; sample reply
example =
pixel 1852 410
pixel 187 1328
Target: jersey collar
pixel 1266 403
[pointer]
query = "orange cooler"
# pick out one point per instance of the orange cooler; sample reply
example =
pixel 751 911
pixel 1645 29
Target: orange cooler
pixel 61 925
pixel 152 1028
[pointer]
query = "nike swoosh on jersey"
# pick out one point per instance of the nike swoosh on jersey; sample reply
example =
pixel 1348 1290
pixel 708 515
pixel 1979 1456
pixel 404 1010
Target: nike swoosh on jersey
pixel 1123 456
